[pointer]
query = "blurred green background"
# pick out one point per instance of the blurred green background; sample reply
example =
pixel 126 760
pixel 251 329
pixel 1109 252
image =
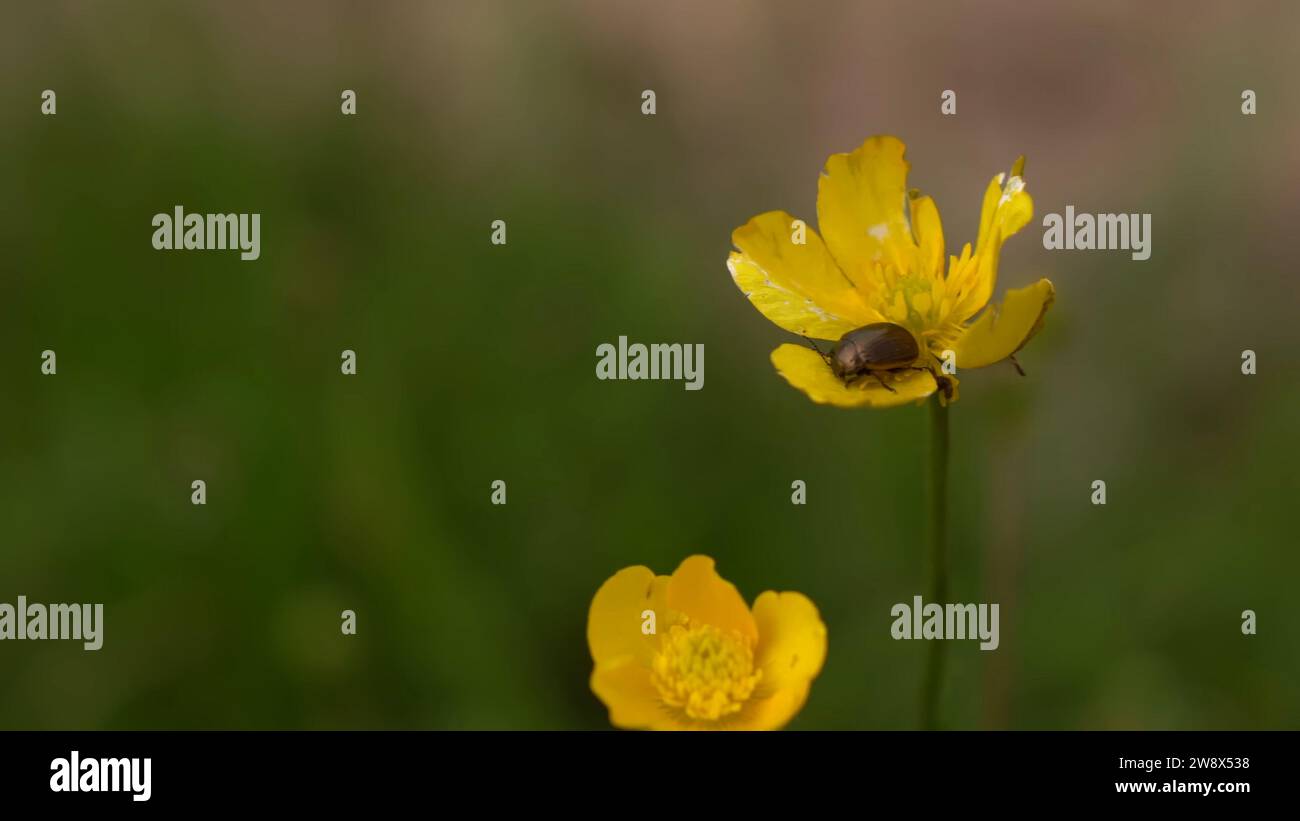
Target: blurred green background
pixel 477 362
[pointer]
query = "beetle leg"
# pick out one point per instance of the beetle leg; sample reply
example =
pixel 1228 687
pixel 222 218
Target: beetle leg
pixel 882 382
pixel 1019 369
pixel 863 377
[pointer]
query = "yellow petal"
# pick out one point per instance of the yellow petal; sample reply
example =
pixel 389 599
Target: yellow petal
pixel 625 687
pixel 1007 208
pixel 791 640
pixel 860 200
pixel 1004 329
pixel 806 370
pixel 797 286
pixel 992 195
pixel 698 592
pixel 614 619
pixel 928 229
pixel 771 712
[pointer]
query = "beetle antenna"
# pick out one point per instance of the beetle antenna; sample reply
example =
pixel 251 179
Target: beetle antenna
pixel 1019 369
pixel 813 345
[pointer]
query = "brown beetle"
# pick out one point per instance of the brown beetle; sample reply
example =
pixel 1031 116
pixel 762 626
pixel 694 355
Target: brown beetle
pixel 873 350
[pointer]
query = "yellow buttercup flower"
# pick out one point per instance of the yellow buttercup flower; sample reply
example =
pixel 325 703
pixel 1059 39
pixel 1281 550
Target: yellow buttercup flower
pixel 880 258
pixel 683 652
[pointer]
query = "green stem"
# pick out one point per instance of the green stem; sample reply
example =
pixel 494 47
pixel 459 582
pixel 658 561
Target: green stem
pixel 938 502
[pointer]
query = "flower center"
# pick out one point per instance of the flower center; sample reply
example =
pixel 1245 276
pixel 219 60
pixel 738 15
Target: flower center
pixel 705 672
pixel 910 300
